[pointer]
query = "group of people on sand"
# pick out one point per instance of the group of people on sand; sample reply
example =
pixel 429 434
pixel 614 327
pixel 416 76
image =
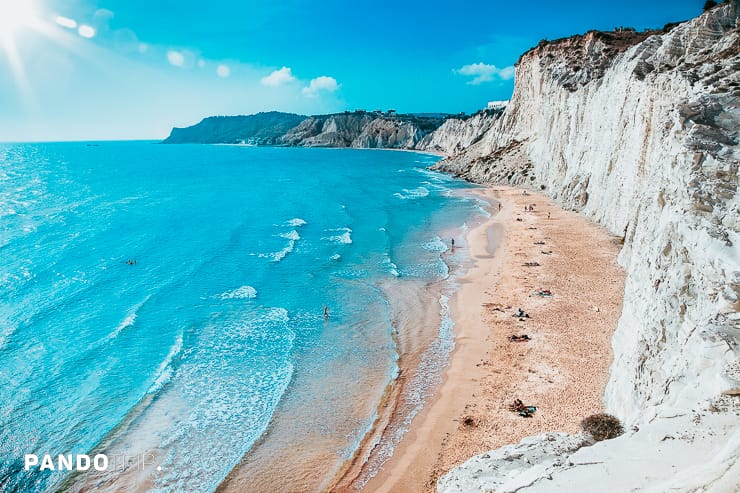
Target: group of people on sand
pixel 528 208
pixel 518 406
pixel 524 411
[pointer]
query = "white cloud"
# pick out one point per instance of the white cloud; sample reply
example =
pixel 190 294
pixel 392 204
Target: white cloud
pixel 482 72
pixel 176 58
pixel 278 77
pixel 323 83
pixel 223 71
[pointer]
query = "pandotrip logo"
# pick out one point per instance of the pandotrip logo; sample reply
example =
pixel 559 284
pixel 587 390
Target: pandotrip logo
pixel 85 462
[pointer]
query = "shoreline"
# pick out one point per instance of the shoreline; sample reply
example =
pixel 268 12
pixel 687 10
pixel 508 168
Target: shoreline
pixel 467 414
pixel 414 308
pixel 439 154
pixel 424 338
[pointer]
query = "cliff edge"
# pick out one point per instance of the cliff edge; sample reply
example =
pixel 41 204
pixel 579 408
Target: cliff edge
pixel 639 133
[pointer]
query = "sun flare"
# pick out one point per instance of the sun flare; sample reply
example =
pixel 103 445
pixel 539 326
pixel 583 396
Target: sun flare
pixel 17 14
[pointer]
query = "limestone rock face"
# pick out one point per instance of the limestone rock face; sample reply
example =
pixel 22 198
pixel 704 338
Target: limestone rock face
pixel 361 130
pixel 641 135
pixel 382 133
pixel 457 134
pixel 327 130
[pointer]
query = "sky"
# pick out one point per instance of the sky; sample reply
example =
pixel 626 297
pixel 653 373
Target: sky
pixel 133 69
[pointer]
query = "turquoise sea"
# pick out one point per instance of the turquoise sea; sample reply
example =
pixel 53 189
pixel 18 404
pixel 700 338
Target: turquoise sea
pixel 167 301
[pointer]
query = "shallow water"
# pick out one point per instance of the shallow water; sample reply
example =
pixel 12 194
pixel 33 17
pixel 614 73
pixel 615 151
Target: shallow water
pixel 187 354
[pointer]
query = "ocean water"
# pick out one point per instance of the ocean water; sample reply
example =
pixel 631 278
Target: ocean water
pixel 181 359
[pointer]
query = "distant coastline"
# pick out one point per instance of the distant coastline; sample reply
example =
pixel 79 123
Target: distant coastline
pixel 359 129
pixel 428 152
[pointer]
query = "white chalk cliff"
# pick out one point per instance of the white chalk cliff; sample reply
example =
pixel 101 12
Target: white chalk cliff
pixel 639 133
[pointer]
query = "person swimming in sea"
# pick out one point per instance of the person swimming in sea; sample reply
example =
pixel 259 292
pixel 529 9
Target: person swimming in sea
pixel 326 312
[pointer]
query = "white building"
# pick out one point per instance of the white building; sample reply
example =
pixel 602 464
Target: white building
pixel 497 105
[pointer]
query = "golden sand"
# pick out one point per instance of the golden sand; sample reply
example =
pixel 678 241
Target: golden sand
pixel 562 371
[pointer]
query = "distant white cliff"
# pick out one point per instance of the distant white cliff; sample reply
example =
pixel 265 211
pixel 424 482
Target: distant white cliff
pixel 639 133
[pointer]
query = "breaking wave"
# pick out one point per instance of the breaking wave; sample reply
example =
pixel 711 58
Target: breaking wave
pixel 296 222
pixel 344 238
pixel 244 292
pixel 413 193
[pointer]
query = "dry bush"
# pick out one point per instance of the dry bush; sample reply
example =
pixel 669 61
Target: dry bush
pixel 602 426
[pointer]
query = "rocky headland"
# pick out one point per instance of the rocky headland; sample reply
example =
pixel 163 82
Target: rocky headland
pixel 358 129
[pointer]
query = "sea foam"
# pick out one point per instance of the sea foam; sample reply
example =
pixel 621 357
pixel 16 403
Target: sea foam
pixel 292 236
pixel 244 292
pixel 413 193
pixel 128 320
pixel 344 238
pixel 296 222
pixel 435 245
pixel 164 371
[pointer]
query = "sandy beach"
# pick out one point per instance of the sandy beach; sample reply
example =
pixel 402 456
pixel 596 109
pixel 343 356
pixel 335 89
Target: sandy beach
pixel 562 370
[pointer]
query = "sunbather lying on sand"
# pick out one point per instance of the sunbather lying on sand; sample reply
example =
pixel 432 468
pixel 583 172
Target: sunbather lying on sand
pixel 519 407
pixel 521 314
pixel 521 338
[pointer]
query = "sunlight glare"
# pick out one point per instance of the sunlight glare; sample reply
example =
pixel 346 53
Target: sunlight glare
pixel 17 14
pixel 86 31
pixel 66 22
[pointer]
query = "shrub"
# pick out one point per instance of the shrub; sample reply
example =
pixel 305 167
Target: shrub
pixel 602 426
pixel 710 4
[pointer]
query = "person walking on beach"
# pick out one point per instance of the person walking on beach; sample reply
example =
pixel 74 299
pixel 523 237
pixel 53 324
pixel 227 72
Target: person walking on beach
pixel 452 242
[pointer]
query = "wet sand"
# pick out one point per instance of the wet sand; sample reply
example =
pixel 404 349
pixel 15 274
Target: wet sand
pixel 562 371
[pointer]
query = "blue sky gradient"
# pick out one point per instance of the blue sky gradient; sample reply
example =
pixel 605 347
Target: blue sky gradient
pixel 139 67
